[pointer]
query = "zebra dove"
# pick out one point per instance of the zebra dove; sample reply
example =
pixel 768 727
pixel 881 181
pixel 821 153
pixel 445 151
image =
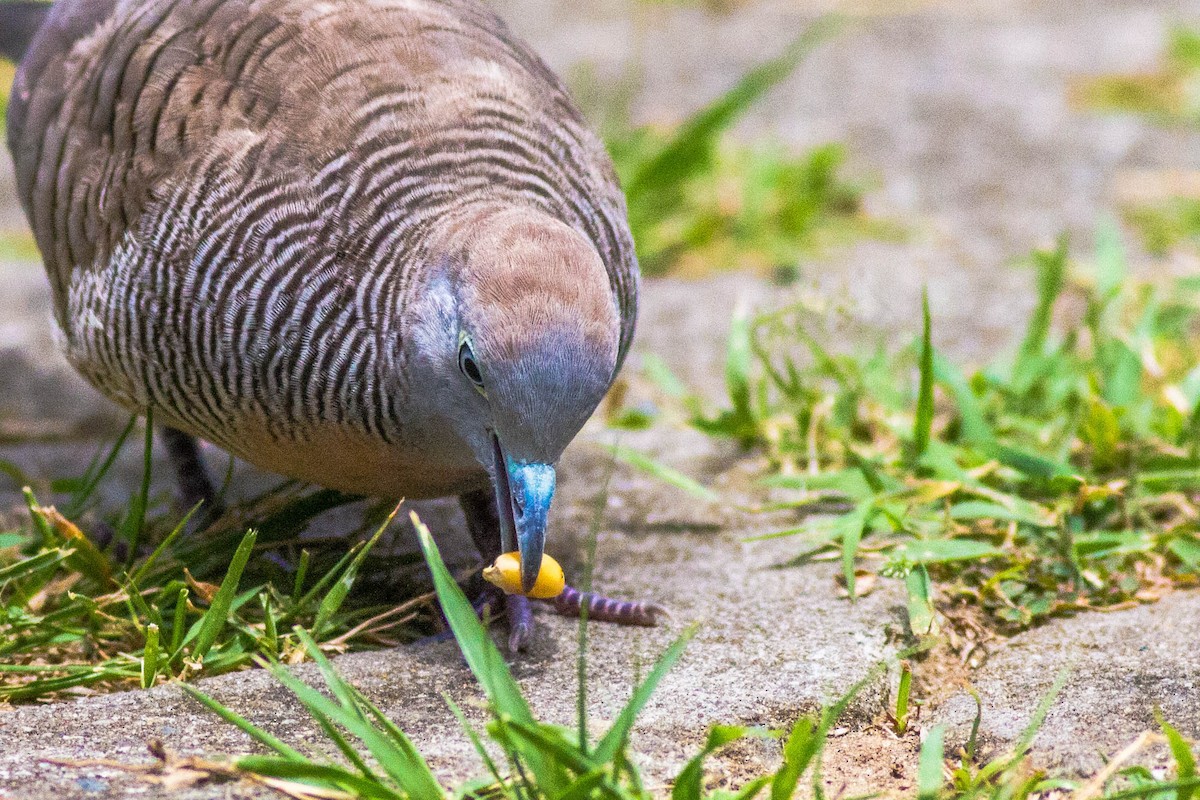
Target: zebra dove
pixel 369 244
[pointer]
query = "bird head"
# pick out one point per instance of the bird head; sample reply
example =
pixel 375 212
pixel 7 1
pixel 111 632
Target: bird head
pixel 533 344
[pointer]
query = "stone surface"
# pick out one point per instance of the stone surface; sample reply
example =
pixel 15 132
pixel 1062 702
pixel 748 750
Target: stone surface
pixel 1120 666
pixel 772 644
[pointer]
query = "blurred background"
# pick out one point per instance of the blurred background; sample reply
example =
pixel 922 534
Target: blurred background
pixel 901 145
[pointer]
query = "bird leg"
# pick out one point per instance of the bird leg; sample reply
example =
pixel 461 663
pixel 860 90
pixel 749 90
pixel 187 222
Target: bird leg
pixel 195 485
pixel 484 524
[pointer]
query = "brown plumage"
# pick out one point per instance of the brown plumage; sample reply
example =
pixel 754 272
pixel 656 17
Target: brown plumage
pixel 368 243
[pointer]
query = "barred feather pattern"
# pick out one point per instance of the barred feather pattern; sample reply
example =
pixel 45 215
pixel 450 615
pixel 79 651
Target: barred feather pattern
pixel 236 200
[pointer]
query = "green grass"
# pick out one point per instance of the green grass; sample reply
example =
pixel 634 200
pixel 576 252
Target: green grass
pixel 76 616
pixel 1011 776
pixel 1170 94
pixel 539 760
pixel 1062 477
pixel 699 200
pixel 1167 224
pixel 525 759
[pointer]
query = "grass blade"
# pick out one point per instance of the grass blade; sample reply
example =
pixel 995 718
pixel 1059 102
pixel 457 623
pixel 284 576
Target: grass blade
pixel 929 764
pixel 337 593
pixel 94 474
pixel 902 695
pixel 337 569
pixel 585 585
pixel 1185 759
pixel 403 764
pixel 476 742
pixel 737 366
pixel 689 782
pixel 544 740
pixel 1039 713
pixel 320 775
pixel 586 785
pixel 752 788
pixel 241 723
pixel 163 547
pixel 87 560
pixel 662 472
pixel 1111 268
pixel 34 564
pixel 40 523
pixel 805 744
pixel 1051 266
pixel 923 422
pixel 349 751
pixel 150 657
pixel 484 659
pixel 691 147
pixel 177 625
pixel 218 610
pixel 850 530
pixel 975 428
pixel 135 521
pixel 921 620
pixel 796 752
pixel 35 689
pixel 354 702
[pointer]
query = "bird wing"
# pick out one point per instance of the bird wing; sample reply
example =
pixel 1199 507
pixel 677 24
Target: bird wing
pixel 391 112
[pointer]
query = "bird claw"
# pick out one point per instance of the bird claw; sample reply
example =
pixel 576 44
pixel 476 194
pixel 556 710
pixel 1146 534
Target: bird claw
pixel 519 611
pixel 572 602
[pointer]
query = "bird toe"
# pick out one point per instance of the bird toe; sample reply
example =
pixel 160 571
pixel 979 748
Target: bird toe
pixel 572 603
pixel 520 622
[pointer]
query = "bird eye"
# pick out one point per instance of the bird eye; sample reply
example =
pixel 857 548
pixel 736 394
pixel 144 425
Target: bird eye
pixel 466 363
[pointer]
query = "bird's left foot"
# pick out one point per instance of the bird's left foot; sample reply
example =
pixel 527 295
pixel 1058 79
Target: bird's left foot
pixel 572 603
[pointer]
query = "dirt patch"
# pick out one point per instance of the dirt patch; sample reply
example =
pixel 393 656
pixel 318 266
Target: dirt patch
pixel 870 762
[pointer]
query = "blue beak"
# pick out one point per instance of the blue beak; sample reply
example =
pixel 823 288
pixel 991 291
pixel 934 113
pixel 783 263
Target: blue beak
pixel 523 494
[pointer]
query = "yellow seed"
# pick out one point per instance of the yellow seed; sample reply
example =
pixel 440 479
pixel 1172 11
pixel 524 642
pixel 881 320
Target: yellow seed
pixel 506 573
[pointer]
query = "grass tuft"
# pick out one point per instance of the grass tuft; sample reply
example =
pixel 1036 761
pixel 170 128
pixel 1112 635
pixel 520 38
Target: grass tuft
pixel 135 604
pixel 1063 477
pixel 699 201
pixel 543 761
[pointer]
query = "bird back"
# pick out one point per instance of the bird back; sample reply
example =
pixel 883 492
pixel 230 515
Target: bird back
pixel 216 184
